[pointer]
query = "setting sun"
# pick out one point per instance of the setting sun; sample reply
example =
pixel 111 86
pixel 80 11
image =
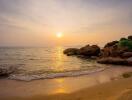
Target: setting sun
pixel 59 34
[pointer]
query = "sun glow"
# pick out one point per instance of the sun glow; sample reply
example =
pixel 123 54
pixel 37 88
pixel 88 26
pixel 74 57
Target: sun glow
pixel 59 35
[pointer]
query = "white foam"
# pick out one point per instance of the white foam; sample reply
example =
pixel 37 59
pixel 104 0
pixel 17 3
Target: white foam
pixel 23 77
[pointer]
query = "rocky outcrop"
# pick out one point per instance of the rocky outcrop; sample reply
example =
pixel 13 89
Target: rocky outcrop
pixel 87 50
pixel 6 71
pixel 118 48
pixel 71 51
pixel 115 52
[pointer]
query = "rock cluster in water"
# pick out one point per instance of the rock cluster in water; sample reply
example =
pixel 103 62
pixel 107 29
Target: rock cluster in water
pixel 6 70
pixel 115 52
pixel 87 50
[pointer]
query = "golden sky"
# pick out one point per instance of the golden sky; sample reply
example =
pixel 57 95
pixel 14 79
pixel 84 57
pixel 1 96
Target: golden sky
pixel 36 22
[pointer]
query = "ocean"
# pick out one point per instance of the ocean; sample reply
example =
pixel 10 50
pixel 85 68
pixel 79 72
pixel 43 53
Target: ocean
pixel 47 62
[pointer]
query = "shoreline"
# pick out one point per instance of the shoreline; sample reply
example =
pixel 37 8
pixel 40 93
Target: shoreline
pixel 75 73
pixel 116 90
pixel 58 86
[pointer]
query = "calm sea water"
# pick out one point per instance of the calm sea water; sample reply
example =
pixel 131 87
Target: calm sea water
pixel 38 63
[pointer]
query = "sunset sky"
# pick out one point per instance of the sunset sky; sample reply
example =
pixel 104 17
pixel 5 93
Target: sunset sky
pixel 37 22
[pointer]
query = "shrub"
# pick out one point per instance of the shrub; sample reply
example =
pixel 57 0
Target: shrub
pixel 125 43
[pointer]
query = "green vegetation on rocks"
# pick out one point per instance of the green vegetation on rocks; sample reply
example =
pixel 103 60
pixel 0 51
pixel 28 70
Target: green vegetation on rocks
pixel 125 43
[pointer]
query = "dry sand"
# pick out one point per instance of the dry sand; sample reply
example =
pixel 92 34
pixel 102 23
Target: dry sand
pixel 116 90
pixel 97 86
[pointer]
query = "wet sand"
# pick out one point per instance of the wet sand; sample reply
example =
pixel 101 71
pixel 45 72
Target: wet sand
pixel 97 86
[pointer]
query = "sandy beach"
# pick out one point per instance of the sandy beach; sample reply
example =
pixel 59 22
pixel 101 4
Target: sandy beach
pixel 104 85
pixel 65 49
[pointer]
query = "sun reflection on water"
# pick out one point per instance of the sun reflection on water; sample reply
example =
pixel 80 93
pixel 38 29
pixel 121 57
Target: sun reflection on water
pixel 60 90
pixel 59 66
pixel 62 86
pixel 59 59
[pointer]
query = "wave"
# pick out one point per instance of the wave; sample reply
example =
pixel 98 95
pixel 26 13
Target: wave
pixel 23 77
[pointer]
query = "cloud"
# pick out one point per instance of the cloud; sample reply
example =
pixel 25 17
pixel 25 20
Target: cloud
pixel 70 16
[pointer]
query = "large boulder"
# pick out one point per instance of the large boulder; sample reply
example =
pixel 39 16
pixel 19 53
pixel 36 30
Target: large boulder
pixel 111 60
pixel 88 50
pixel 71 51
pixel 6 70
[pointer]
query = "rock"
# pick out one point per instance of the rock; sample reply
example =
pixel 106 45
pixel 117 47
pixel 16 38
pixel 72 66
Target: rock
pixel 127 74
pixel 127 54
pixel 130 37
pixel 94 57
pixel 117 48
pixel 110 50
pixel 111 44
pixel 123 39
pixel 129 61
pixel 113 51
pixel 71 51
pixel 88 50
pixel 111 60
pixel 6 70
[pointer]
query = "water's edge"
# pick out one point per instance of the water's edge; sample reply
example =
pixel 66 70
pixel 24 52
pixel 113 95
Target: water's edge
pixel 21 77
